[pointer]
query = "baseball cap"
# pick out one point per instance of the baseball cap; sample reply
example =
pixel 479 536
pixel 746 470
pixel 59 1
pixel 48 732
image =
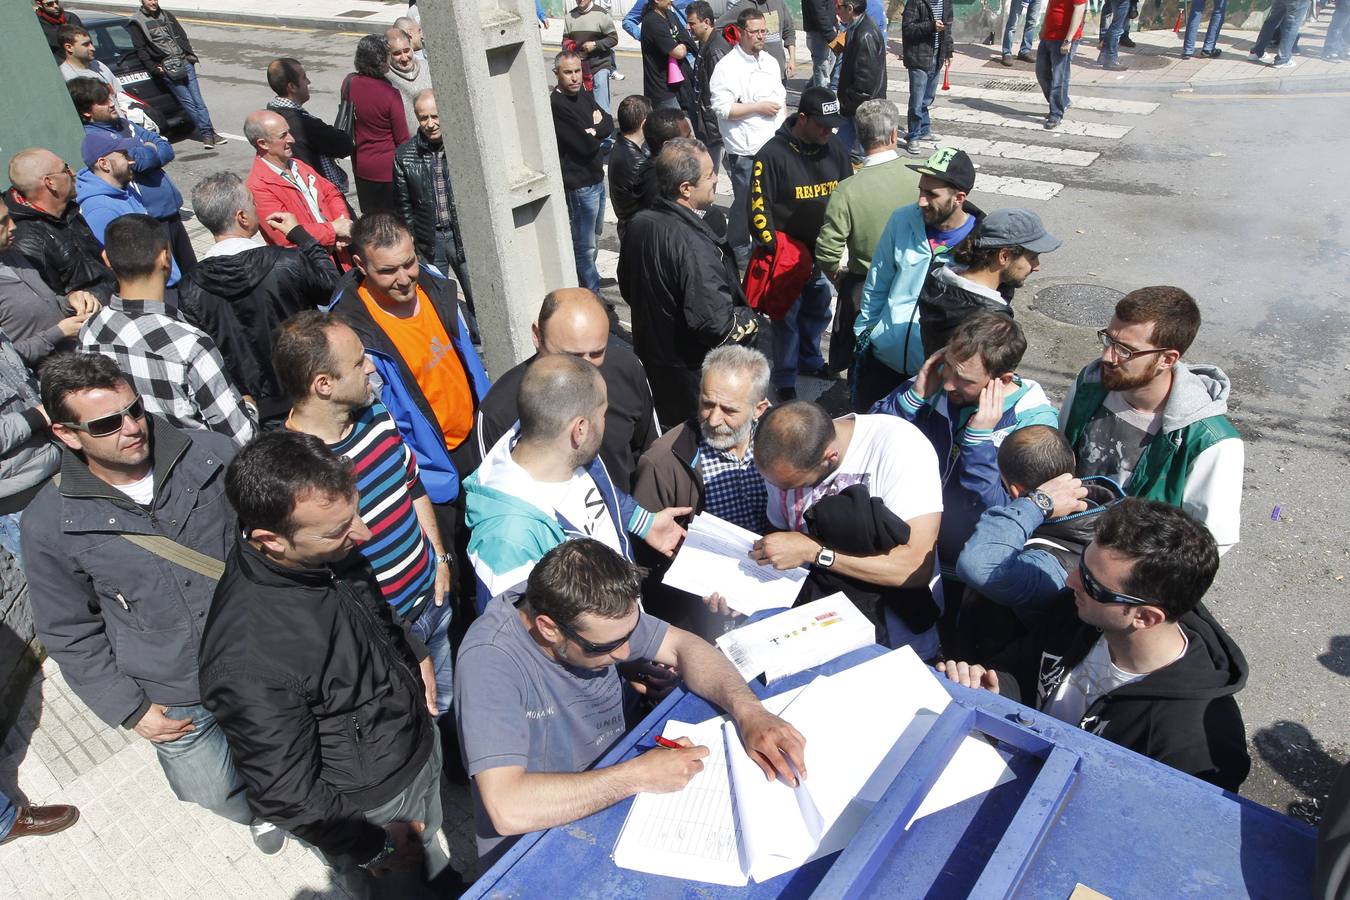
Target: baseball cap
pixel 952 166
pixel 1016 228
pixel 820 104
pixel 99 143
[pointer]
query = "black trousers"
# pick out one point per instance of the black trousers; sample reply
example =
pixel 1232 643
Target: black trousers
pixel 374 196
pixel 180 245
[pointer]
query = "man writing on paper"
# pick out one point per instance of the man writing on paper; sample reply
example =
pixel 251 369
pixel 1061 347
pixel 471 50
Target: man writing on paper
pixel 538 701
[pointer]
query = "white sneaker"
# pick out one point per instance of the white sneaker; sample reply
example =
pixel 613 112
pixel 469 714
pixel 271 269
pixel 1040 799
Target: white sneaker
pixel 616 76
pixel 267 837
pixel 1253 57
pixel 1288 63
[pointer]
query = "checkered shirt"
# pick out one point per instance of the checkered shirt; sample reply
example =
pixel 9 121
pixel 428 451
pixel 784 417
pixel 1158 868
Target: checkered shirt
pixel 175 367
pixel 327 167
pixel 440 181
pixel 733 489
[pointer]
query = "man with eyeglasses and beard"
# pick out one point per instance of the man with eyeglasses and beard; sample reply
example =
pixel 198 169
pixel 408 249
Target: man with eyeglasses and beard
pixel 1130 653
pixel 538 699
pixel 119 550
pixel 1153 424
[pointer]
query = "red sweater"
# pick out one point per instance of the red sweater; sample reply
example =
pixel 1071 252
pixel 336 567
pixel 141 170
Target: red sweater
pixel 272 193
pixel 380 127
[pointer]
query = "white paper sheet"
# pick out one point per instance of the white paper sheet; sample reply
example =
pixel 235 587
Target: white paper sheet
pixel 714 558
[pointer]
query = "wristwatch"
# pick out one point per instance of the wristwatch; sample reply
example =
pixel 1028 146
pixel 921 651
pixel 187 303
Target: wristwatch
pixel 444 558
pixel 379 859
pixel 1044 502
pixel 825 558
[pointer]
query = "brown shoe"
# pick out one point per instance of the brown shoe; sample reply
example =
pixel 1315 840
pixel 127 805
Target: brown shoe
pixel 38 821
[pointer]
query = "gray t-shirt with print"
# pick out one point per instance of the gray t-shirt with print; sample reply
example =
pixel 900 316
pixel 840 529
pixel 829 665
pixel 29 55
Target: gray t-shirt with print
pixel 517 706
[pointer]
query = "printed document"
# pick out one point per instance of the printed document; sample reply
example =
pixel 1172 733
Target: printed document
pixel 715 559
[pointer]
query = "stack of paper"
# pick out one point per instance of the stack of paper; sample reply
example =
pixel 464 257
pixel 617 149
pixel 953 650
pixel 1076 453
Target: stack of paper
pixel 798 639
pixel 715 559
pixel 860 725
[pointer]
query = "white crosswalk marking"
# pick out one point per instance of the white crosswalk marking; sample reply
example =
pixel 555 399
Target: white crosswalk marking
pixel 1060 156
pixel 1033 96
pixel 968 116
pixel 1028 188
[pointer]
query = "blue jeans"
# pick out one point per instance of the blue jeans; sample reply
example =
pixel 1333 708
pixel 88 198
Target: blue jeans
pixel 600 86
pixel 819 44
pixel 9 536
pixel 1052 72
pixel 1028 29
pixel 433 629
pixel 8 813
pixel 586 211
pixel 1220 8
pixel 1104 23
pixel 1120 21
pixel 200 769
pixel 1291 13
pixel 923 85
pixel 848 136
pixel 739 170
pixel 796 336
pixel 189 96
pixel 1338 32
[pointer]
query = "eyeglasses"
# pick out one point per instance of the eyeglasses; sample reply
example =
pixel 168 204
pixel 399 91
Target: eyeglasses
pixel 64 170
pixel 1123 353
pixel 111 423
pixel 1097 592
pixel 593 649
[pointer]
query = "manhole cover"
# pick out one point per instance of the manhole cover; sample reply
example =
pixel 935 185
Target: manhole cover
pixel 1078 304
pixel 1020 85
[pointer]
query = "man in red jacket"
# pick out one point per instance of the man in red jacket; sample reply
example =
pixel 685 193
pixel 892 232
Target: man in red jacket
pixel 281 183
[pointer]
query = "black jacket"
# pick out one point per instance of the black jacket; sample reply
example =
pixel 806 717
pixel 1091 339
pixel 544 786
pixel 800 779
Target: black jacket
pixel 314 137
pixel 705 124
pixel 947 299
pixel 415 187
pixel 793 186
pixel 63 250
pixel 680 279
pixel 52 31
pixel 917 27
pixel 626 163
pixel 150 55
pixel 239 300
pixel 316 685
pixel 579 150
pixel 630 419
pixel 862 75
pixel 1183 715
pixel 819 16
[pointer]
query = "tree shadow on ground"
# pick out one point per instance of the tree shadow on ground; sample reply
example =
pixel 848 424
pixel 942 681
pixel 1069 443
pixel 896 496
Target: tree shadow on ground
pixel 1292 752
pixel 1337 657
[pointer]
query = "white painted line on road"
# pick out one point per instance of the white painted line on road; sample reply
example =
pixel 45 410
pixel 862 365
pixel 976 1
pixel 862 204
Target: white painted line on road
pixel 1034 97
pixel 1027 188
pixel 233 137
pixel 1055 156
pixel 1068 126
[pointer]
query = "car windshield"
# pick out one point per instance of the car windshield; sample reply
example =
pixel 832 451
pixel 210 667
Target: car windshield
pixel 112 41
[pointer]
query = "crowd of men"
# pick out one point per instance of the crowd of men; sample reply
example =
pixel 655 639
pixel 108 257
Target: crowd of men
pixel 277 521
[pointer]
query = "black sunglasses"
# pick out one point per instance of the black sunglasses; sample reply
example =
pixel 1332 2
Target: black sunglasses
pixel 1097 592
pixel 593 649
pixel 111 423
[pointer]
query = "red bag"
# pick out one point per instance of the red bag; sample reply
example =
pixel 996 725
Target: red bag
pixel 774 278
pixel 587 77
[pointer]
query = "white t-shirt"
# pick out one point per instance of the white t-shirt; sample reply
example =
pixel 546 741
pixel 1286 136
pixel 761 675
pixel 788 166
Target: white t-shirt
pixel 141 491
pixel 1092 678
pixel 890 456
pixel 578 501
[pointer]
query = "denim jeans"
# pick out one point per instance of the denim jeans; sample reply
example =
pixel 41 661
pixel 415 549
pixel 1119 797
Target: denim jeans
pixel 1338 32
pixel 1028 28
pixel 600 86
pixel 819 44
pixel 433 629
pixel 923 85
pixel 1107 17
pixel 739 170
pixel 1289 12
pixel 189 96
pixel 9 536
pixel 796 336
pixel 1052 72
pixel 1120 20
pixel 1220 8
pixel 586 211
pixel 200 769
pixel 8 813
pixel 848 136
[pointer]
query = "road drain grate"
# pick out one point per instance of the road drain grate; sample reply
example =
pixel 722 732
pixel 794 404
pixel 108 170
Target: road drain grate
pixel 1010 84
pixel 1078 304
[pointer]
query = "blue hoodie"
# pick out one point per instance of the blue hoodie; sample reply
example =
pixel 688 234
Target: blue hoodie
pixel 161 198
pixel 100 203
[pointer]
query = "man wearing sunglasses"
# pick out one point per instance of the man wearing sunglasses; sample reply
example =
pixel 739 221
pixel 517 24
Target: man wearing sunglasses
pixel 538 700
pixel 1153 424
pixel 1130 653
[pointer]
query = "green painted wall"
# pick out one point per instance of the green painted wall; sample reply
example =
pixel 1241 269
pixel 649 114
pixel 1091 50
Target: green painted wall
pixel 35 109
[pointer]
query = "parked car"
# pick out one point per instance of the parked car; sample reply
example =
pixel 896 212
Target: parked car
pixel 113 47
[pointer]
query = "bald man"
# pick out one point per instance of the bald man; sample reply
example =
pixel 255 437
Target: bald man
pixel 49 230
pixel 543 482
pixel 413 29
pixel 573 321
pixel 280 183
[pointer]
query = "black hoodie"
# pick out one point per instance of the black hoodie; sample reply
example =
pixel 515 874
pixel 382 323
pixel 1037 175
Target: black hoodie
pixel 791 183
pixel 1183 715
pixel 239 300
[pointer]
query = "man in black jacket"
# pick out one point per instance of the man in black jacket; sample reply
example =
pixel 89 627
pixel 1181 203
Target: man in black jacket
pixel 581 126
pixel 51 233
pixel 628 159
pixel 712 46
pixel 926 26
pixel 165 51
pixel 1131 654
pixel 317 144
pixel 323 694
pixel 862 72
pixel 820 21
pixel 680 278
pixel 242 290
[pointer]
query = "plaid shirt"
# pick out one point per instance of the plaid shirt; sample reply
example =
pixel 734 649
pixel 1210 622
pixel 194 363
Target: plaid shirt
pixel 328 168
pixel 441 184
pixel 733 489
pixel 175 367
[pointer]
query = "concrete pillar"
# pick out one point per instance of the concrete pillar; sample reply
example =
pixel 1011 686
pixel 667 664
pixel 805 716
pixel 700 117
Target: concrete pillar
pixel 35 110
pixel 492 92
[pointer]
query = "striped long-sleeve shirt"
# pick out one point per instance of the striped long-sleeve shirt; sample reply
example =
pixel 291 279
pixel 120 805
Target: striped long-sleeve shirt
pixel 386 480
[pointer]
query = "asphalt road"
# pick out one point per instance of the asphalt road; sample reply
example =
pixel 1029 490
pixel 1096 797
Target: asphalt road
pixel 1240 200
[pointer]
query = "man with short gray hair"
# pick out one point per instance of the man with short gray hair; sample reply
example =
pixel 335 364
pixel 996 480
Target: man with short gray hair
pixel 242 289
pixel 409 76
pixel 581 128
pixel 413 29
pixel 281 183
